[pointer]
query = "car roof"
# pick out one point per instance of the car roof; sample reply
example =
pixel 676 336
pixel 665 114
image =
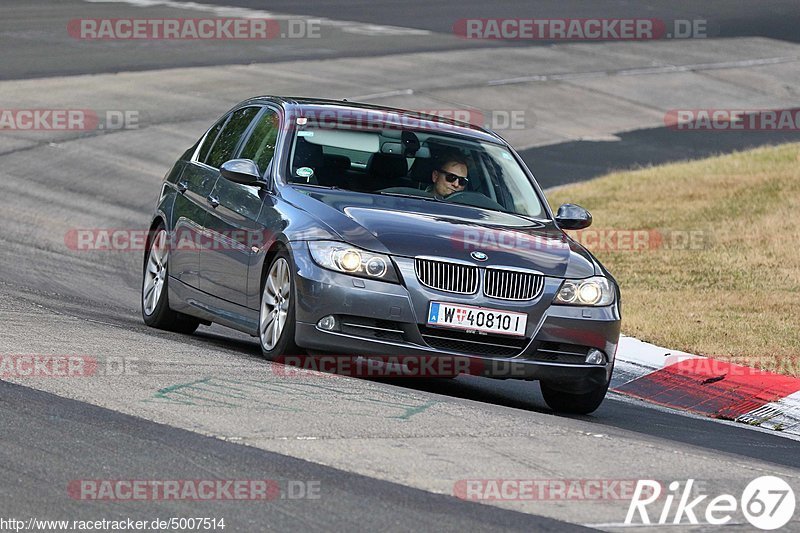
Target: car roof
pixel 369 113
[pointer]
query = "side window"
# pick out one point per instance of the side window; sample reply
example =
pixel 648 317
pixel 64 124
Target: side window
pixel 229 137
pixel 260 147
pixel 208 142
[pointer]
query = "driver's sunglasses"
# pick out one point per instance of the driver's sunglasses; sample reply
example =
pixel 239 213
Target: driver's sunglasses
pixel 450 177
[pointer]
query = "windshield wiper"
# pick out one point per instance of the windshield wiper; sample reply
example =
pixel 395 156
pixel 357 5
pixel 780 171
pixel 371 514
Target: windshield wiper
pixel 316 186
pixel 403 195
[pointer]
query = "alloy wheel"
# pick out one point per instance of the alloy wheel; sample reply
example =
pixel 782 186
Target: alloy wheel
pixel 274 304
pixel 156 273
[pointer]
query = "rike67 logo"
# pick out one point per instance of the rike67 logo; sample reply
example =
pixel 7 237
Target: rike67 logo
pixel 767 502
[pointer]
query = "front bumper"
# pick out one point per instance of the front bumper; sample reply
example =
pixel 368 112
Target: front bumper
pixel 387 319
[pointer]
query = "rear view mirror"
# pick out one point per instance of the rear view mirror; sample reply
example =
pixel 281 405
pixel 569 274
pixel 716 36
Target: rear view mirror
pixel 242 171
pixel 571 216
pixel 392 148
pixel 410 143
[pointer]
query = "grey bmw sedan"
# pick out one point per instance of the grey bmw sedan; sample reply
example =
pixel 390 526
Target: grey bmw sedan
pixel 332 227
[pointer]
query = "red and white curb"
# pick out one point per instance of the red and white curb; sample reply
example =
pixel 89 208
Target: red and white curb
pixel 707 387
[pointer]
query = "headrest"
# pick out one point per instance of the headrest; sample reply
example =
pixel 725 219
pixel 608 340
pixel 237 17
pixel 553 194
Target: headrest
pixel 387 166
pixel 340 163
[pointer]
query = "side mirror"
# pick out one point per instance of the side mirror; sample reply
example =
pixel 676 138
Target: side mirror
pixel 242 171
pixel 571 216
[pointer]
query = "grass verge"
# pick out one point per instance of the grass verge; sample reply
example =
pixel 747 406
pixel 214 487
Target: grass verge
pixel 707 253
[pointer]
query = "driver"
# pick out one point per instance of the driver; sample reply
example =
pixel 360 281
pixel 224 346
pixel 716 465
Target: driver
pixel 449 175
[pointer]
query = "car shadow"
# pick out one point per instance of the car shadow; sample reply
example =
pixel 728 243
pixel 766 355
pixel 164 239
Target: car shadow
pixel 517 394
pixel 616 412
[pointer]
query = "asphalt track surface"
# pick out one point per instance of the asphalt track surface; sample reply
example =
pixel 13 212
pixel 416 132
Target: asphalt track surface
pixel 37 26
pixel 94 440
pixel 778 20
pixel 387 454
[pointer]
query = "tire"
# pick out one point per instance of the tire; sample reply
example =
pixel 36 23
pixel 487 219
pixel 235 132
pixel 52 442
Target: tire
pixel 572 403
pixel 276 317
pixel 155 291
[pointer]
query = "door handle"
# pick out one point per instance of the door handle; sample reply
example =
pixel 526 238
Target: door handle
pixel 213 201
pixel 182 186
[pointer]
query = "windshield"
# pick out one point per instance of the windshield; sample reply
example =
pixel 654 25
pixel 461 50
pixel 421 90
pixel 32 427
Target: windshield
pixel 413 163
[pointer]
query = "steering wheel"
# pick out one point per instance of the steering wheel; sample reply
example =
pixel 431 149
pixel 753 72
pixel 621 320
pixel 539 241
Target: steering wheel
pixel 455 195
pixel 474 199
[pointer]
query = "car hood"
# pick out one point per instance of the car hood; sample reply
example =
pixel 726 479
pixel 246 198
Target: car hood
pixel 409 227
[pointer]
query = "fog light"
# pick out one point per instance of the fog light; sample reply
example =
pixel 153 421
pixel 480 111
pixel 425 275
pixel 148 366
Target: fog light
pixel 595 357
pixel 327 323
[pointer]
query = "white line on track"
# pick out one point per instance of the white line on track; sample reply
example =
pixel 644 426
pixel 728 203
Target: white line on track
pixel 386 94
pixel 644 71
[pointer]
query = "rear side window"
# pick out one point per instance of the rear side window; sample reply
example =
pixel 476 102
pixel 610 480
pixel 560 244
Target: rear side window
pixel 228 138
pixel 260 147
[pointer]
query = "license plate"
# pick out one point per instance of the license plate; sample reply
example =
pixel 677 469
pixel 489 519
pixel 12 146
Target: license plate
pixel 467 317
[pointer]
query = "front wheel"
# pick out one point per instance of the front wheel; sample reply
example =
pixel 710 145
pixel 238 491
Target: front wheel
pixel 155 294
pixel 573 403
pixel 276 321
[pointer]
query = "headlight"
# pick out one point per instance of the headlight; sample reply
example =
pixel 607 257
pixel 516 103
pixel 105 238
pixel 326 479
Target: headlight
pixel 342 257
pixel 596 291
